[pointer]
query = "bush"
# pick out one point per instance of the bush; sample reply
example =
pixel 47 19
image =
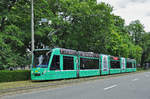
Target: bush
pixel 1 67
pixel 140 68
pixel 17 75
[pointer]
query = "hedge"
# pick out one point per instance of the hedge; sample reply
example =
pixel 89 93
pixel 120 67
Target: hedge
pixel 17 75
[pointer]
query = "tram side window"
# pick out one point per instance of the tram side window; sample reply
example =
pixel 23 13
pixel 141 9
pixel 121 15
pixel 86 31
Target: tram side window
pixel 129 64
pixel 68 63
pixel 55 65
pixel 115 64
pixel 99 62
pixel 89 63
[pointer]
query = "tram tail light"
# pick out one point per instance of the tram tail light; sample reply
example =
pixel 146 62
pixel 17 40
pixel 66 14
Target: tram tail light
pixel 115 58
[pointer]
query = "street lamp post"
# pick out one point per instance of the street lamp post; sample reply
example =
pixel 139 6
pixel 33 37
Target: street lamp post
pixel 32 28
pixel 32 25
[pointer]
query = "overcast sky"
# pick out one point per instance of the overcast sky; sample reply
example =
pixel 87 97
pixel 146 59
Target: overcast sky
pixel 131 10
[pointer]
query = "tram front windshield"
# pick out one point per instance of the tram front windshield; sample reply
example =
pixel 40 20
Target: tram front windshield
pixel 41 58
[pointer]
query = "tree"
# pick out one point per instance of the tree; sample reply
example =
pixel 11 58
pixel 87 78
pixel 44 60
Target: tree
pixel 140 38
pixel 146 47
pixel 83 25
pixel 75 24
pixel 136 29
pixel 11 35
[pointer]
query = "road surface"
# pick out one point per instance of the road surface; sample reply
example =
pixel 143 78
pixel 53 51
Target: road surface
pixel 134 86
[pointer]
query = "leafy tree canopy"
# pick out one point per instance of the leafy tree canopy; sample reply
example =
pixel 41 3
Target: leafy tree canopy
pixel 75 24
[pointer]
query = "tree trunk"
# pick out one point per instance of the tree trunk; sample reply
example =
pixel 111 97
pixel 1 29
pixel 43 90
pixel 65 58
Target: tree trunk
pixel 142 59
pixel 2 24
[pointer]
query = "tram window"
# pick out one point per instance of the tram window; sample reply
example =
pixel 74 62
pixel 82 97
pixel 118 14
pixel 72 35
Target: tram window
pixel 129 64
pixel 115 64
pixel 86 63
pixel 99 63
pixel 41 59
pixel 68 63
pixel 55 65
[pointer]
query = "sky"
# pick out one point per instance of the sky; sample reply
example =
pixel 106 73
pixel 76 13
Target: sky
pixel 131 10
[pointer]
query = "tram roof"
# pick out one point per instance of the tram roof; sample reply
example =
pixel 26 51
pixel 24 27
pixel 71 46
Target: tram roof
pixel 128 59
pixel 74 52
pixel 88 54
pixel 81 53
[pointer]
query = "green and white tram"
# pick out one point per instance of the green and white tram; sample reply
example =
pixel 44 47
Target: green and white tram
pixel 60 63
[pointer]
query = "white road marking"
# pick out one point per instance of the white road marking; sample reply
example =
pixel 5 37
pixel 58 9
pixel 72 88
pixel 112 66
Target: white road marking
pixel 110 87
pixel 135 79
pixel 146 75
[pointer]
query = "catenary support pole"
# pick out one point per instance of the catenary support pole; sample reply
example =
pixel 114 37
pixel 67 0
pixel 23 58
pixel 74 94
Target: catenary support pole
pixel 32 26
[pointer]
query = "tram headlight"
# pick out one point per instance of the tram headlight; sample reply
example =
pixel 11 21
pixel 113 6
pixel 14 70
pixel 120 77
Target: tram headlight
pixel 36 71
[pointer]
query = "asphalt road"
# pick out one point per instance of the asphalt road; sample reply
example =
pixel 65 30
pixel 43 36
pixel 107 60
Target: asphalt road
pixel 135 86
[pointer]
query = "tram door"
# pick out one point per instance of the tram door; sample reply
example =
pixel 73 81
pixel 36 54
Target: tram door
pixel 123 65
pixel 104 65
